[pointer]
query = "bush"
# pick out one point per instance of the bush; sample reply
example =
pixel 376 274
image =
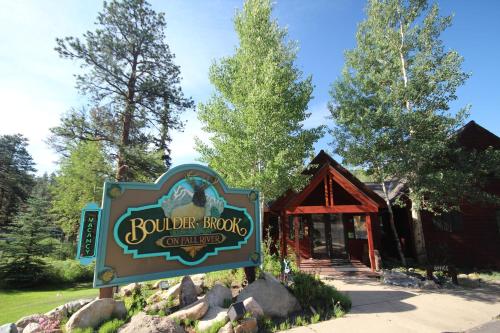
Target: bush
pixel 226 277
pixel 312 292
pixel 68 271
pixel 111 326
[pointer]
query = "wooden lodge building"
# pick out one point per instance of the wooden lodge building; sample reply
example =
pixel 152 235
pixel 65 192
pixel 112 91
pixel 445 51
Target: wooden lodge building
pixel 337 219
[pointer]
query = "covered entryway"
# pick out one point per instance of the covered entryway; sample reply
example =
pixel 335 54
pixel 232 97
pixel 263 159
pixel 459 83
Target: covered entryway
pixel 334 218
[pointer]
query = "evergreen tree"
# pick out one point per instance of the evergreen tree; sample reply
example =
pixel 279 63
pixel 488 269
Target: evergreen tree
pixel 78 182
pixel 255 117
pixel 391 107
pixel 16 175
pixel 130 76
pixel 23 243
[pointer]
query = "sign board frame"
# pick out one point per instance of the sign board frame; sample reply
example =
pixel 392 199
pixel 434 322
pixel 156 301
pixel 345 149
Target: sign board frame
pixel 115 189
pixel 89 208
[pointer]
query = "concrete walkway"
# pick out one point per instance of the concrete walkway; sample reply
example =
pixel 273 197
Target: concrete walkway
pixel 381 308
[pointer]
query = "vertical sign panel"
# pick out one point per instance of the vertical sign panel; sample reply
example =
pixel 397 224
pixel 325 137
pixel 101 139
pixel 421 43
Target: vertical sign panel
pixel 88 233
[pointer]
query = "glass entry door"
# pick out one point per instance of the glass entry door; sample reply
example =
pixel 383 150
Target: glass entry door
pixel 328 237
pixel 319 237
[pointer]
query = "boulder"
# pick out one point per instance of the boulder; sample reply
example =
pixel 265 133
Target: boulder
pixel 193 311
pixel 248 325
pixel 188 293
pixel 199 282
pixel 401 279
pixel 33 328
pixel 129 289
pixel 214 315
pixel 218 295
pixel 142 323
pixel 173 291
pixel 155 307
pixel 164 295
pixel 429 284
pixel 68 309
pixel 94 313
pixel 120 310
pixel 253 307
pixel 274 299
pixel 156 285
pixel 8 328
pixel 228 328
pixel 24 321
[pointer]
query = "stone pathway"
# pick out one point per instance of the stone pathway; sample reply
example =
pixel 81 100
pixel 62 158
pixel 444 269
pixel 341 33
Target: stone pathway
pixel 383 308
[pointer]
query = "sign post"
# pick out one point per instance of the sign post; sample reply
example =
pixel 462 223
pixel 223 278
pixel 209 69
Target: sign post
pixel 189 221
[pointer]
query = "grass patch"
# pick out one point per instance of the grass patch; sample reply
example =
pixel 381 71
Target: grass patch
pixel 111 326
pixel 16 304
pixel 312 292
pixel 226 277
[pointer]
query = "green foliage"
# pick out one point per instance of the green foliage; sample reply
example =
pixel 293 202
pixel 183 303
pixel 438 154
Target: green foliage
pixel 136 302
pixel 20 263
pixel 67 271
pixel 226 277
pixel 255 116
pixel 111 326
pixel 284 325
pixel 78 182
pixel 315 318
pixel 312 292
pixel 135 90
pixel 391 106
pixel 83 330
pixel 16 175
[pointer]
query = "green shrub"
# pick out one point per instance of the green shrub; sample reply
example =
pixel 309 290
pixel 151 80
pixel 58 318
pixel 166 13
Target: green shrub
pixel 226 277
pixel 68 271
pixel 135 303
pixel 312 292
pixel 111 326
pixel 83 330
pixel 315 318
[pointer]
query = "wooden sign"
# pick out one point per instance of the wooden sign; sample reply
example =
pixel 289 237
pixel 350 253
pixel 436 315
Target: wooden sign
pixel 88 233
pixel 187 222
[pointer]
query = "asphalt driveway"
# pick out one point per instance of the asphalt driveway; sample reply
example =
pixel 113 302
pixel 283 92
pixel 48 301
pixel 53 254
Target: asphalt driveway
pixel 381 308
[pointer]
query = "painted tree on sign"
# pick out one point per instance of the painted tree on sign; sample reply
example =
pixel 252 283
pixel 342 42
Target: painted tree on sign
pixel 129 74
pixel 391 108
pixel 255 117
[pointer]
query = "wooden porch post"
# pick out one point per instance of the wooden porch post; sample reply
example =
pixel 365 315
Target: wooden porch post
pixel 296 227
pixel 371 247
pixel 283 242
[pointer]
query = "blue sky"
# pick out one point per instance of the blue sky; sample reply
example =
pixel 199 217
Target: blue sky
pixel 36 86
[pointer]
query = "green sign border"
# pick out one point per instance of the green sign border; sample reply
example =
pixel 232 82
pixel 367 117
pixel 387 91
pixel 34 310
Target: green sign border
pixel 114 189
pixel 91 207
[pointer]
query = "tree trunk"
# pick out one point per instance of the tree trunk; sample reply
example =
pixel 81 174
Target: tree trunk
pixel 418 235
pixel 393 225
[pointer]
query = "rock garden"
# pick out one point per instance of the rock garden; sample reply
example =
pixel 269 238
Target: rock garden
pixel 214 302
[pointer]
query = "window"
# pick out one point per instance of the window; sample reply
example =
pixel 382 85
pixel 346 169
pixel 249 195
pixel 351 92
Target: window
pixel 449 222
pixel 360 227
pixel 291 229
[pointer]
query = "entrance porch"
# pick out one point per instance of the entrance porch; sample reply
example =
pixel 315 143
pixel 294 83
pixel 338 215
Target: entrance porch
pixel 333 219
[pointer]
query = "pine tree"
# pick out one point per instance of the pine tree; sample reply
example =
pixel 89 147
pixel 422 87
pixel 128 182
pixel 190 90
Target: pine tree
pixel 255 116
pixel 130 76
pixel 16 175
pixel 23 243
